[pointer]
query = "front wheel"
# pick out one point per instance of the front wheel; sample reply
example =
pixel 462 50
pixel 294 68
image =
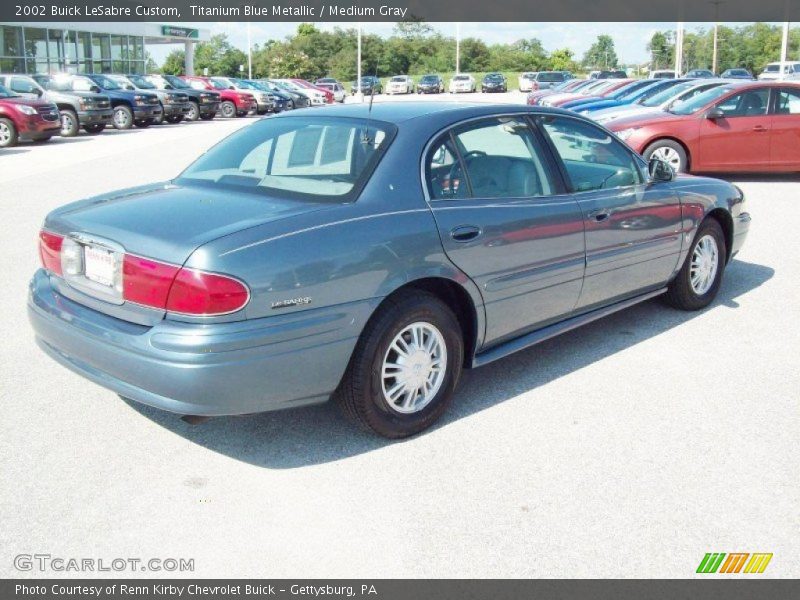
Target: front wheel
pixel 669 151
pixel 207 117
pixel 700 277
pixel 8 133
pixel 70 126
pixel 406 365
pixel 94 127
pixel 228 109
pixel 194 112
pixel 174 119
pixel 123 117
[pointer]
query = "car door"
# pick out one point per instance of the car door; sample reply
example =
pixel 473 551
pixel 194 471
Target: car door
pixel 632 226
pixel 784 150
pixel 740 139
pixel 506 221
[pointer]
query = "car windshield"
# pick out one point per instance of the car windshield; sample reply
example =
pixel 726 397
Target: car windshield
pixel 177 82
pixel 694 104
pixel 106 82
pixel 772 69
pixel 429 79
pixel 398 78
pixel 6 93
pixel 738 72
pixel 141 82
pixel 549 77
pixel 218 85
pixel 461 78
pixel 306 158
pixel 668 94
pixel 493 77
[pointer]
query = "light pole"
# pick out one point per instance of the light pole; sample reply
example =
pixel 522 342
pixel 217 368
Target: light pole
pixel 679 50
pixel 249 54
pixel 458 48
pixel 784 48
pixel 358 68
pixel 716 4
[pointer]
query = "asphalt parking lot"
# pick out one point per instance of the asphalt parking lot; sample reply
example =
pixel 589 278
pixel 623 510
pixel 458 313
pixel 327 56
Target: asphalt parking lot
pixel 628 448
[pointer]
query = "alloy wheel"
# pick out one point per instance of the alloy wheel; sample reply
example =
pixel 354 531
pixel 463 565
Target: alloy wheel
pixel 121 118
pixel 193 113
pixel 5 134
pixel 66 123
pixel 414 367
pixel 704 266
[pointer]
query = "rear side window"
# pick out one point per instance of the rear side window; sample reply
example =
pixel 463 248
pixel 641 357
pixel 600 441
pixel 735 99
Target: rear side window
pixel 592 157
pixel 750 103
pixel 493 158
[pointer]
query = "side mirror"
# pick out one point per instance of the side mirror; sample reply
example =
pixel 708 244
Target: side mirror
pixel 95 89
pixel 660 170
pixel 715 113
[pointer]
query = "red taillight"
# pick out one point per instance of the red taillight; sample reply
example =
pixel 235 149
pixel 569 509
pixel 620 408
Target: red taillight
pixel 146 281
pixel 50 251
pixel 199 293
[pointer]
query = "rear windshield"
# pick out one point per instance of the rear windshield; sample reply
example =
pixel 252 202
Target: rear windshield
pixel 312 158
pixel 550 77
pixel 461 78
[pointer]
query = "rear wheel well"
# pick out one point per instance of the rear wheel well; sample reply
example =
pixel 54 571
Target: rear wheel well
pixel 457 299
pixel 725 221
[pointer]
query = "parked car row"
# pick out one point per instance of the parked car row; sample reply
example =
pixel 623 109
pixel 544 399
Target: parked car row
pixel 704 124
pixel 38 107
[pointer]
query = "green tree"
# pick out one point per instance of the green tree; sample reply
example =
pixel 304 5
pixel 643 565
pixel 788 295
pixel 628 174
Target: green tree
pixel 562 60
pixel 601 54
pixel 175 63
pixel 219 56
pixel 661 49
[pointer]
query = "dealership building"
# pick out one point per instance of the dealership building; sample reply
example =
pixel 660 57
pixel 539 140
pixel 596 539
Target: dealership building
pixel 89 47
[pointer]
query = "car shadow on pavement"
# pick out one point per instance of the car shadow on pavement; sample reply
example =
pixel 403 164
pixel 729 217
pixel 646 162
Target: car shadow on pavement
pixel 314 435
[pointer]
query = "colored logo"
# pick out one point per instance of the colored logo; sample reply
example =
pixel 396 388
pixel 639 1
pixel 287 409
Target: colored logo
pixel 735 562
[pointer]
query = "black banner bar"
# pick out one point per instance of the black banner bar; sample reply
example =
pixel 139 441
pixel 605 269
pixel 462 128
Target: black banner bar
pixel 177 11
pixel 397 589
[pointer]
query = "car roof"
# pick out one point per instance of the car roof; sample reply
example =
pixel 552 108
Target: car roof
pixel 398 112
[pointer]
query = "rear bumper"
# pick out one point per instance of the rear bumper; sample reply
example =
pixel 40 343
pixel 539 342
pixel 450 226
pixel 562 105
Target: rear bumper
pixel 217 369
pixel 741 226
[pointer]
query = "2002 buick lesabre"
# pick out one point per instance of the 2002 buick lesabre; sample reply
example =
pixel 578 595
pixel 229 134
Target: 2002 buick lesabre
pixel 370 257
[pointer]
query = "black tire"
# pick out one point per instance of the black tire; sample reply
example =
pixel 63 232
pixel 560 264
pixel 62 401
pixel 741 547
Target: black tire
pixel 174 119
pixel 8 134
pixel 194 111
pixel 681 294
pixel 228 109
pixel 144 123
pixel 671 148
pixel 94 128
pixel 159 120
pixel 123 117
pixel 41 139
pixel 207 116
pixel 70 126
pixel 360 394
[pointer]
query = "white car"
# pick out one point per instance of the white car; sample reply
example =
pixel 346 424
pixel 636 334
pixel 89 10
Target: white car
pixel 657 103
pixel 316 97
pixel 526 80
pixel 462 83
pixel 400 84
pixel 337 88
pixel 772 71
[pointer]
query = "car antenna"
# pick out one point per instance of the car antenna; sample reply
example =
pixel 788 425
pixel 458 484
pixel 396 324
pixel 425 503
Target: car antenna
pixel 365 138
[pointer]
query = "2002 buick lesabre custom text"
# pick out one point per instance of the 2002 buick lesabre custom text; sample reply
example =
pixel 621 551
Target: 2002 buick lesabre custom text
pixel 370 257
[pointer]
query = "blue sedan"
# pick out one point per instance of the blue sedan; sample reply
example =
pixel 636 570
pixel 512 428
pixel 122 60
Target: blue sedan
pixel 638 96
pixel 622 92
pixel 369 255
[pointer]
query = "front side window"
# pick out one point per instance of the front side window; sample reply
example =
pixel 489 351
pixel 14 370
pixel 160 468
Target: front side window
pixel 497 158
pixel 788 102
pixel 593 158
pixel 307 158
pixel 750 103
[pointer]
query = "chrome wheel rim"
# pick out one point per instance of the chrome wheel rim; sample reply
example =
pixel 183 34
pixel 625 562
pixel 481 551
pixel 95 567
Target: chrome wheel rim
pixel 121 118
pixel 705 263
pixel 5 134
pixel 194 113
pixel 66 123
pixel 669 155
pixel 414 368
pixel 228 110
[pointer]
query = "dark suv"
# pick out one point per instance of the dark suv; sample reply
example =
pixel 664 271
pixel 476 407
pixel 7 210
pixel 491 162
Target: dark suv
pixel 174 104
pixel 130 107
pixel 77 109
pixel 369 85
pixel 203 104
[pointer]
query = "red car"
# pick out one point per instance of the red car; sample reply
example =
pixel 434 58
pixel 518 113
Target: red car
pixel 747 126
pixel 572 85
pixel 26 119
pixel 309 86
pixel 233 103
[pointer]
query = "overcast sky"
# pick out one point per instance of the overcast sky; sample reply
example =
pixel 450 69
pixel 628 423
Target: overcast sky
pixel 630 39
